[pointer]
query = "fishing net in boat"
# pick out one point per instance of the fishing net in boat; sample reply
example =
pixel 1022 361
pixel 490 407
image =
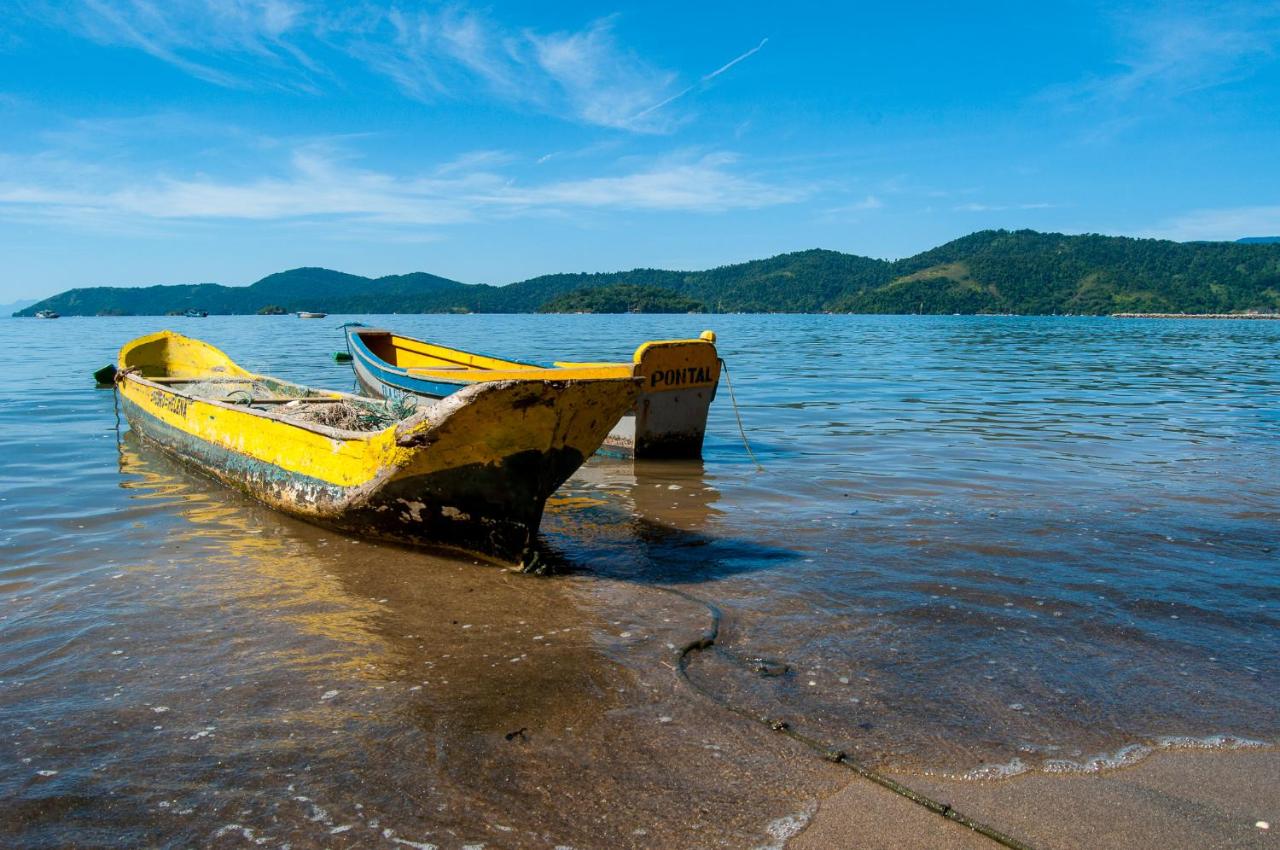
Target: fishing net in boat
pixel 350 415
pixel 296 403
pixel 225 390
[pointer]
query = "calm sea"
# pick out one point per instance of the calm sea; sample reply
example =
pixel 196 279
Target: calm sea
pixel 973 546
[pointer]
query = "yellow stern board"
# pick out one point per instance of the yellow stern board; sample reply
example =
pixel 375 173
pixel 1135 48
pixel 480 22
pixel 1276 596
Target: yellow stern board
pixel 676 365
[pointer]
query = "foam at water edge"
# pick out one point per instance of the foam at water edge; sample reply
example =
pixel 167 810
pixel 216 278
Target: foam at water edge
pixel 785 828
pixel 1209 742
pixel 996 771
pixel 1125 756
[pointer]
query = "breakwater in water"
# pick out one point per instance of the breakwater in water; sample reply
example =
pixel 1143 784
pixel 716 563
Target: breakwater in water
pixel 979 546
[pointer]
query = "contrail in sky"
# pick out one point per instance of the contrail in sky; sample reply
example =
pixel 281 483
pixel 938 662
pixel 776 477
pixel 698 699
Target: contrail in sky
pixel 733 62
pixel 706 79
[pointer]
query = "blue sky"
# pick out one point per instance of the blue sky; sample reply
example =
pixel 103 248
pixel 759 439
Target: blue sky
pixel 173 141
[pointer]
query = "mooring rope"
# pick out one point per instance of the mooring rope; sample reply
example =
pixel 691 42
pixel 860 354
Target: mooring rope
pixel 741 430
pixel 115 402
pixel 707 640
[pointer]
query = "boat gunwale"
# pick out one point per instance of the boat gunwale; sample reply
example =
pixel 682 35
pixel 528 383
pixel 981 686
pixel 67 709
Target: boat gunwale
pixel 510 365
pixel 508 373
pixel 131 373
pixel 355 332
pixel 315 427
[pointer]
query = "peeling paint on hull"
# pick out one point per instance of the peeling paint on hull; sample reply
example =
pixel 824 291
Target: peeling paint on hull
pixel 471 472
pixel 492 510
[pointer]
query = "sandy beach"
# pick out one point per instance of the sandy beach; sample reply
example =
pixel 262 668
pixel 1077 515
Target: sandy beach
pixel 1176 799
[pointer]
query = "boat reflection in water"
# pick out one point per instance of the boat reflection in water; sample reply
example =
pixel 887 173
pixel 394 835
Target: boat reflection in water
pixel 610 515
pixel 365 610
pixel 647 522
pixel 675 493
pixel 310 681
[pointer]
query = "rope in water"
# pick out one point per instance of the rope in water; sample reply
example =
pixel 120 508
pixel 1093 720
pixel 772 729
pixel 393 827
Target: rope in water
pixel 707 640
pixel 741 430
pixel 115 402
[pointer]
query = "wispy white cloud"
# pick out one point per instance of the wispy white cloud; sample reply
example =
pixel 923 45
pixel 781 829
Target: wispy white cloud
pixel 429 53
pixel 706 184
pixel 453 53
pixel 602 83
pixel 977 207
pixel 1169 51
pixel 319 183
pixel 231 43
pixel 870 202
pixel 1227 223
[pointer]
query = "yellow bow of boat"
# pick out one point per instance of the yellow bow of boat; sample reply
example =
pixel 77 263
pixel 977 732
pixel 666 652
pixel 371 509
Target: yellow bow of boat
pixel 471 471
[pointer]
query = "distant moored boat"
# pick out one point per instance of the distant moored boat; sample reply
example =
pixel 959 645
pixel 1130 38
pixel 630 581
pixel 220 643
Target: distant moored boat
pixel 47 314
pixel 193 313
pixel 303 314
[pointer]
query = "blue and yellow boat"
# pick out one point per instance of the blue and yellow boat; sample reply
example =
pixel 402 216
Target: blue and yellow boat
pixel 678 380
pixel 472 471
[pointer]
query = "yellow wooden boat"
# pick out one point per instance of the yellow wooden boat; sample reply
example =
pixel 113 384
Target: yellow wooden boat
pixel 669 419
pixel 472 471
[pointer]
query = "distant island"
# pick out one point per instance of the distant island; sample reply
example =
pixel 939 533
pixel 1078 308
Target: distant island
pixel 992 271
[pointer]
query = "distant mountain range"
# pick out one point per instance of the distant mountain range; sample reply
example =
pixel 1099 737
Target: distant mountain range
pixel 992 271
pixel 14 306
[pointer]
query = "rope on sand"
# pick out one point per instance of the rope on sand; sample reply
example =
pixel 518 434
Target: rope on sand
pixel 707 640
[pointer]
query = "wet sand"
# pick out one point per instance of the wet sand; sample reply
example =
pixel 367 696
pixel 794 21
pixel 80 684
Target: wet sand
pixel 1187 799
pixel 242 679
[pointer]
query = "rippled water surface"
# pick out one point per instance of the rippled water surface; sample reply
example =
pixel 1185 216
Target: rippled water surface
pixel 976 546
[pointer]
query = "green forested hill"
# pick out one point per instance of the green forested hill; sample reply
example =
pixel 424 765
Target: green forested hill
pixel 1030 272
pixel 296 289
pixel 621 298
pixel 994 271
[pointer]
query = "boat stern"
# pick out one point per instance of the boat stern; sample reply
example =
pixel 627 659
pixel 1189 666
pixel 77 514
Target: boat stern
pixel 679 380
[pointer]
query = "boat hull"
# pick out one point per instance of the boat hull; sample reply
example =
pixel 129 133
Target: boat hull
pixel 472 472
pixel 678 382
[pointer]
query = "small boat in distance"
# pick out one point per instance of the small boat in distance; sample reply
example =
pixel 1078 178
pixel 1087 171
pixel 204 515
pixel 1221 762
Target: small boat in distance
pixel 193 313
pixel 669 420
pixel 47 314
pixel 471 472
pixel 304 314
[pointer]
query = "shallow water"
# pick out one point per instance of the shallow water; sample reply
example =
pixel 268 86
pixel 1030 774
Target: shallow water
pixel 977 546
